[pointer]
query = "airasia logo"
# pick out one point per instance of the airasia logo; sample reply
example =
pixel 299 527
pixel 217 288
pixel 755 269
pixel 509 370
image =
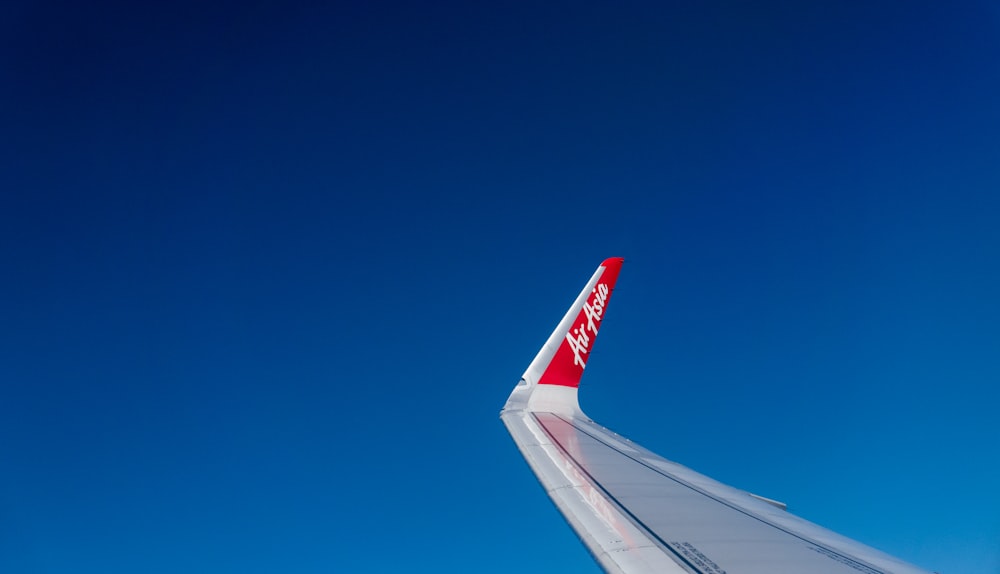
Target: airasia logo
pixel 580 338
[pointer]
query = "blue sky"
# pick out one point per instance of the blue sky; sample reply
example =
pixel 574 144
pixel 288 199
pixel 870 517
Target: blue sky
pixel 270 272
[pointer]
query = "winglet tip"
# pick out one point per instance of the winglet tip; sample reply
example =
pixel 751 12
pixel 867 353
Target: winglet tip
pixel 613 262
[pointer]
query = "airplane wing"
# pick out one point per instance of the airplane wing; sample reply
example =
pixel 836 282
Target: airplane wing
pixel 638 512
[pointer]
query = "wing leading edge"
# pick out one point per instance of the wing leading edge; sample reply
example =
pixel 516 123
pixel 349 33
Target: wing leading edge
pixel 637 512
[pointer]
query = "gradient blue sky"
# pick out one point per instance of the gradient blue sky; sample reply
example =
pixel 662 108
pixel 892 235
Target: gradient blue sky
pixel 269 272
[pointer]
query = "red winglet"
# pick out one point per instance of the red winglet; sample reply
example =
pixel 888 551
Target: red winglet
pixel 570 358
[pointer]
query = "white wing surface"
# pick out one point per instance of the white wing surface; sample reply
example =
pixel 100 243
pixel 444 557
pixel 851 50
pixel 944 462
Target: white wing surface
pixel 637 512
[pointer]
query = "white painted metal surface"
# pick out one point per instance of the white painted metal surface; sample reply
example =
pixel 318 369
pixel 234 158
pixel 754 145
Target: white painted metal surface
pixel 637 512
